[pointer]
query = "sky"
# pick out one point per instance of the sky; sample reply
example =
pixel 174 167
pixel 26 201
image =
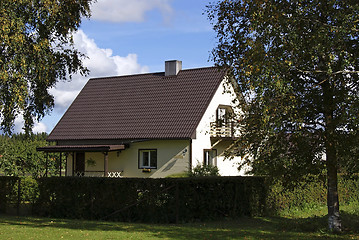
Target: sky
pixel 125 37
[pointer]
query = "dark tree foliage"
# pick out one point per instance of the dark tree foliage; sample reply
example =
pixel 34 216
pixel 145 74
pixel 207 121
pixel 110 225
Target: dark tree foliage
pixel 296 64
pixel 36 51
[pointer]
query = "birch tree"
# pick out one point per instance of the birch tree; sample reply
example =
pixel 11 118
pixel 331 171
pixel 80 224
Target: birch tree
pixel 297 65
pixel 36 51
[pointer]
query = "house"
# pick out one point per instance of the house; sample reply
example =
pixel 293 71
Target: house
pixel 149 125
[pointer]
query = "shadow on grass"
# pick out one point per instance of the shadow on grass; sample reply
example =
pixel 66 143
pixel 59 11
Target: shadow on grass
pixel 243 228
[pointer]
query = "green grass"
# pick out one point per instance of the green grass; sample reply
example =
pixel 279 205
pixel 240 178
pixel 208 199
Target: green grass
pixel 283 227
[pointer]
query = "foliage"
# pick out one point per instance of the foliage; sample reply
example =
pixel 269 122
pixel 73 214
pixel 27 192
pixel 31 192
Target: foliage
pixel 204 171
pixel 310 194
pixel 18 156
pixel 36 51
pixel 11 197
pixel 29 190
pixel 91 162
pixel 296 64
pixel 285 56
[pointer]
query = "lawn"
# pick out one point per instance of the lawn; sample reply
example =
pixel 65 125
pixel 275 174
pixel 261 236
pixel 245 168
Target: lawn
pixel 294 225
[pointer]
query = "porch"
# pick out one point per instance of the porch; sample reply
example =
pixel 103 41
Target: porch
pixel 76 165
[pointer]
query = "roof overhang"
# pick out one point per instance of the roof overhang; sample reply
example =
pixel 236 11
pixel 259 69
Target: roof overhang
pixel 82 148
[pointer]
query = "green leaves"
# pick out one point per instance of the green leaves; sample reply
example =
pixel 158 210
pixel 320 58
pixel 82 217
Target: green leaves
pixel 204 170
pixel 36 51
pixel 297 65
pixel 18 156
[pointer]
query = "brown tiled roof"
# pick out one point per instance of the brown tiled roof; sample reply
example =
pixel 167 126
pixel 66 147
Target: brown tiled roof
pixel 140 106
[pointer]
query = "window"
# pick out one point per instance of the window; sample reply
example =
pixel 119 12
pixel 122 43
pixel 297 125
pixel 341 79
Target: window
pixel 210 157
pixel 147 158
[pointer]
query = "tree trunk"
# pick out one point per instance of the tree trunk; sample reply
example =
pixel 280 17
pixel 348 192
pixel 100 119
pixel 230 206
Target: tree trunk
pixel 334 222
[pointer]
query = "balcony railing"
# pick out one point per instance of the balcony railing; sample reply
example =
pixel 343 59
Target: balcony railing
pixel 223 130
pixel 111 174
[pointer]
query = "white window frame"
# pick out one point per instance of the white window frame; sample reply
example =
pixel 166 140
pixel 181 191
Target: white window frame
pixel 141 158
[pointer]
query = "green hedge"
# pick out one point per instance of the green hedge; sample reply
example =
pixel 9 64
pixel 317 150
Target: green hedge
pixel 11 197
pixel 8 192
pixel 165 200
pixel 151 200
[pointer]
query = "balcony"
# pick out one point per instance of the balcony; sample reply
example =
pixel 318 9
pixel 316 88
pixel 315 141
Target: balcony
pixel 223 130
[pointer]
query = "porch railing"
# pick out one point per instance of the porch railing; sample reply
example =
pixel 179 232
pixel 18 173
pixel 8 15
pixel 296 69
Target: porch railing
pixel 114 174
pixel 223 130
pixel 111 174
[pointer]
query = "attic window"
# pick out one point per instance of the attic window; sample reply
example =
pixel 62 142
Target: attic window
pixel 147 158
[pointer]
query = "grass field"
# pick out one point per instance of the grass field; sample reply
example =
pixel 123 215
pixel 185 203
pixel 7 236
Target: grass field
pixel 309 224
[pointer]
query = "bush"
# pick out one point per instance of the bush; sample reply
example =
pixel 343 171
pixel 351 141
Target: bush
pixel 204 171
pixel 309 194
pixel 348 189
pixel 29 191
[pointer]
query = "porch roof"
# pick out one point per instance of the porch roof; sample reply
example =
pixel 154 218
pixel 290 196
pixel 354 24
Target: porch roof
pixel 82 148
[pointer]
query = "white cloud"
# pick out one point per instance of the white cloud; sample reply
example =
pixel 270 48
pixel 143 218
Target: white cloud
pixel 39 127
pixel 100 62
pixel 18 124
pixel 128 10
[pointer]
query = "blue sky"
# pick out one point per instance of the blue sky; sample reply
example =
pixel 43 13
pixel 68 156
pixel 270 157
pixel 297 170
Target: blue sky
pixel 126 37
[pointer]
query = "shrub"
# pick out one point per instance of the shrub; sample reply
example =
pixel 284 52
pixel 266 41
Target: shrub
pixel 29 190
pixel 204 171
pixel 310 193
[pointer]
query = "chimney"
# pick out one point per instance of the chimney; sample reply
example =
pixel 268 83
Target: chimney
pixel 172 67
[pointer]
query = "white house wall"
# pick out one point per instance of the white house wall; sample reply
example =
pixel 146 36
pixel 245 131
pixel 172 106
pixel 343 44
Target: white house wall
pixel 224 96
pixel 172 157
